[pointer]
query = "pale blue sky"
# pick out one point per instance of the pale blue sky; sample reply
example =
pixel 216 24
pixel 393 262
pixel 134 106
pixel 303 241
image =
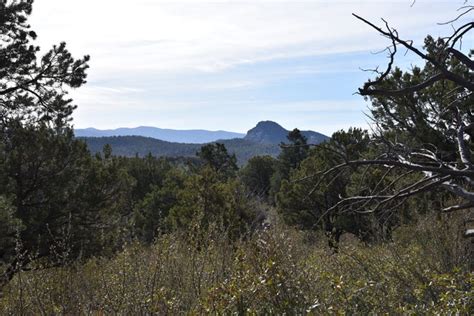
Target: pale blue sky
pixel 226 65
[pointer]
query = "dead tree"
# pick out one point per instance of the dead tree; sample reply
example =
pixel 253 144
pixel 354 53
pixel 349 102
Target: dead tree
pixel 445 164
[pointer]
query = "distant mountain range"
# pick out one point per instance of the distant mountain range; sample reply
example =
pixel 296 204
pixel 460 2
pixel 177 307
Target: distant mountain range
pixel 170 135
pixel 263 139
pixel 266 132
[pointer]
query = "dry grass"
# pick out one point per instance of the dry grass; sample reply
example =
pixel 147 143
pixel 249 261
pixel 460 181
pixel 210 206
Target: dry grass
pixel 278 271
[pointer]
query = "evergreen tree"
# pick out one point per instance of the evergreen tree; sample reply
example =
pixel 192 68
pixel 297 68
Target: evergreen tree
pixel 32 87
pixel 151 212
pixel 293 153
pixel 207 198
pixel 216 157
pixel 309 201
pixel 257 174
pixel 58 200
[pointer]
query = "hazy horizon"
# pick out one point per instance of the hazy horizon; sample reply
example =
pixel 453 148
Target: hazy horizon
pixel 189 129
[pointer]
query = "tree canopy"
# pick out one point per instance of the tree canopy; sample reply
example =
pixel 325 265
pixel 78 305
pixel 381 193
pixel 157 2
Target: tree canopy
pixel 33 88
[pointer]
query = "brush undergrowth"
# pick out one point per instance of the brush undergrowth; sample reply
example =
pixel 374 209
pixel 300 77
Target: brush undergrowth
pixel 276 271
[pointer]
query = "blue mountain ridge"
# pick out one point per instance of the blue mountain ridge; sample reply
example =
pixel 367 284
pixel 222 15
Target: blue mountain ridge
pixel 169 135
pixel 265 132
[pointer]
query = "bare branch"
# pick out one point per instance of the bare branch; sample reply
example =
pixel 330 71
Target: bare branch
pixel 458 207
pixel 407 165
pixel 395 38
pixel 467 10
pixel 464 151
pixel 366 91
pixel 459 191
pixel 461 57
pixel 443 72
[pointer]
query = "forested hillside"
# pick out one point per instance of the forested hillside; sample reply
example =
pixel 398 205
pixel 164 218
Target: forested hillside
pixel 375 222
pixel 264 139
pixel 129 146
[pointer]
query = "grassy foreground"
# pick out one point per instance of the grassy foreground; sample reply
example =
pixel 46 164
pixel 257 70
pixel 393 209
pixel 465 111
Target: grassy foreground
pixel 277 271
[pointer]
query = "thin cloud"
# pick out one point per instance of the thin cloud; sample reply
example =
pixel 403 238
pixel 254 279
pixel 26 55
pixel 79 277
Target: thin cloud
pixel 213 36
pixel 160 61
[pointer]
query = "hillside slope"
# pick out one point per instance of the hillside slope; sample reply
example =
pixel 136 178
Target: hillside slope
pixel 263 139
pixel 130 146
pixel 268 132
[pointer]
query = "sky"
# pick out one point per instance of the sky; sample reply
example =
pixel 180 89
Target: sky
pixel 225 65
